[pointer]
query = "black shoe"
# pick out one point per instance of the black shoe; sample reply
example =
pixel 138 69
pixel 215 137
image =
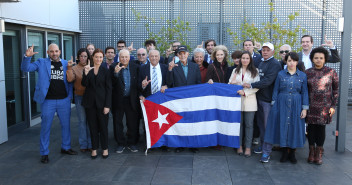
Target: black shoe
pixel 69 152
pixel 292 156
pixel 284 156
pixel 179 149
pixel 194 150
pixel 44 159
pixel 93 156
pixel 105 156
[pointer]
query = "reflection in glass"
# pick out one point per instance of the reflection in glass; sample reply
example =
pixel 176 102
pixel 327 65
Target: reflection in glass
pixel 13 85
pixel 68 47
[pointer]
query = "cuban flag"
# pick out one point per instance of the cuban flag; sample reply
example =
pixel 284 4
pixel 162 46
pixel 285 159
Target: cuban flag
pixel 193 116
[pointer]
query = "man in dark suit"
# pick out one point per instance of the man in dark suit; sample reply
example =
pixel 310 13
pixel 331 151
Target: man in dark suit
pixel 307 45
pixel 284 49
pixel 152 77
pixel 150 45
pixel 125 101
pixel 121 44
pixel 110 53
pixel 184 72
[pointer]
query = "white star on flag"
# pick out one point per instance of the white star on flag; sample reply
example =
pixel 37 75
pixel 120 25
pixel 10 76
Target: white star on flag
pixel 161 119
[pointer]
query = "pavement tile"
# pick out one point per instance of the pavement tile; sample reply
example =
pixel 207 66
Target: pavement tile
pixel 250 176
pixel 176 161
pixel 210 176
pixel 133 174
pixel 172 176
pixel 142 161
pixel 210 162
pixel 290 177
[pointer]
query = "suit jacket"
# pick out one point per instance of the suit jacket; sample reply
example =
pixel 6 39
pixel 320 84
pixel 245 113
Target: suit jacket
pixel 98 89
pixel 43 67
pixel 104 64
pixel 145 71
pixel 333 58
pixel 257 58
pixel 177 78
pixel 118 87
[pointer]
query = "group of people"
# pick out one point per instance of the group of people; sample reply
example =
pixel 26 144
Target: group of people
pixel 278 97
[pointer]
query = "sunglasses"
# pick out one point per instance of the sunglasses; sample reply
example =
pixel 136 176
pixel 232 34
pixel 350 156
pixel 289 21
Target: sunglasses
pixel 284 51
pixel 143 54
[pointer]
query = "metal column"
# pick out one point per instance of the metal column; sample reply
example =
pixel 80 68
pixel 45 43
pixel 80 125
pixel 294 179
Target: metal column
pixel 3 113
pixel 344 76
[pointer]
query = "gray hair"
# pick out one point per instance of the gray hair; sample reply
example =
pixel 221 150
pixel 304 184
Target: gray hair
pixel 198 50
pixel 289 47
pixel 153 50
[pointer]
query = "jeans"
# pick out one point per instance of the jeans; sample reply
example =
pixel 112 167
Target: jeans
pixel 85 141
pixel 262 117
pixel 63 109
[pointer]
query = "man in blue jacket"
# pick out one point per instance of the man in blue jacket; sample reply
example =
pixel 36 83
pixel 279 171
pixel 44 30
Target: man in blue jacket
pixel 268 70
pixel 54 94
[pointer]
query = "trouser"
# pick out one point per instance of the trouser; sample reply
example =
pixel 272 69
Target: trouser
pixel 83 128
pixel 256 132
pixel 262 117
pixel 63 109
pixel 316 134
pixel 98 126
pixel 247 122
pixel 132 123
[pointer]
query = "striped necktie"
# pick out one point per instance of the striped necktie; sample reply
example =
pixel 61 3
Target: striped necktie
pixel 154 81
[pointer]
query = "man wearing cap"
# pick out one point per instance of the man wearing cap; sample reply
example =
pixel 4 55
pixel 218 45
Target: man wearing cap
pixel 184 72
pixel 268 70
pixel 181 74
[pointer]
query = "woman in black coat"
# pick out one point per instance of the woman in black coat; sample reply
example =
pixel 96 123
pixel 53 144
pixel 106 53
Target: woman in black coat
pixel 97 101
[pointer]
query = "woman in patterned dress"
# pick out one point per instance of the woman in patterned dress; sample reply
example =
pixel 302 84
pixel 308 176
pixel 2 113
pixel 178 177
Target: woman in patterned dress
pixel 323 94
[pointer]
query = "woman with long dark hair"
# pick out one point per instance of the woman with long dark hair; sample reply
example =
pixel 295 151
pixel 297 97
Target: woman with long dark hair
pixel 246 72
pixel 74 74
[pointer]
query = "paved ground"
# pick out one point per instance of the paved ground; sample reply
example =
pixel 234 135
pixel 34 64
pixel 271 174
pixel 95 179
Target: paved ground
pixel 19 164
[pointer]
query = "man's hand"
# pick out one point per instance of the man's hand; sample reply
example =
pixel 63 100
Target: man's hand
pixel 246 85
pixel 145 82
pixel 163 88
pixel 201 45
pixel 142 98
pixel 106 110
pixel 118 67
pixel 130 48
pixel 70 62
pixel 257 45
pixel 328 43
pixel 172 64
pixel 30 51
pixel 169 51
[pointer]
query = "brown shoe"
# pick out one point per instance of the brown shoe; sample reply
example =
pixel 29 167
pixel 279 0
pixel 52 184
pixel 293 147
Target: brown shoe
pixel 319 155
pixel 311 154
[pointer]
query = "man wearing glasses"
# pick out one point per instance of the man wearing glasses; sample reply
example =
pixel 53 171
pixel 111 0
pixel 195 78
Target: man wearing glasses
pixel 171 52
pixel 284 49
pixel 141 57
pixel 121 44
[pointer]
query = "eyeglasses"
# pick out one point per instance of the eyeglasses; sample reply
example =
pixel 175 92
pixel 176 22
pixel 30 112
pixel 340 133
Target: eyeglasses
pixel 284 51
pixel 175 46
pixel 143 54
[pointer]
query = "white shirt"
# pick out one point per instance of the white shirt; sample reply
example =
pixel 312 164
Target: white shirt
pixel 306 60
pixel 158 72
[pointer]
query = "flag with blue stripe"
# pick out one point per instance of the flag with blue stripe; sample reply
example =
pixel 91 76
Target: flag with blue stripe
pixel 193 116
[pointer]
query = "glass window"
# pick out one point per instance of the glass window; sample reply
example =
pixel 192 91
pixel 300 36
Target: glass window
pixel 68 47
pixel 54 38
pixel 37 39
pixel 14 82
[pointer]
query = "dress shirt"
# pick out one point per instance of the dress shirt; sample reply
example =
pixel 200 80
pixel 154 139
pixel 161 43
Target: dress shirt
pixel 126 80
pixel 306 60
pixel 158 72
pixel 185 68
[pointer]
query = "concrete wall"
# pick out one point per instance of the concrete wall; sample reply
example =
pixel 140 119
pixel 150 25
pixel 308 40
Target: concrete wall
pixel 55 14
